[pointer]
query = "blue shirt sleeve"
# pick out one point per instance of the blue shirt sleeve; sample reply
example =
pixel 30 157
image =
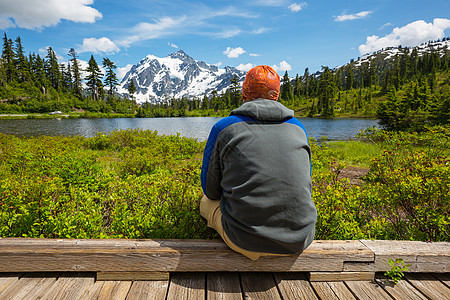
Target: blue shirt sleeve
pixel 211 143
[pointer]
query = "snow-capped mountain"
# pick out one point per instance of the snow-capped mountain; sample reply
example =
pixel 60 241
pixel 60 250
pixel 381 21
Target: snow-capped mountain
pixel 176 75
pixel 390 53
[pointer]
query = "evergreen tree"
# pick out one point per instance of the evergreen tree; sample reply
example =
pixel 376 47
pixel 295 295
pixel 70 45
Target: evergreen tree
pixel 94 79
pixel 76 72
pixel 349 77
pixel 327 90
pixel 235 97
pixel 306 82
pixel 39 73
pixel 297 91
pixel 22 65
pixel 8 60
pixel 110 76
pixel 205 102
pixel 52 68
pixel 286 89
pixel 66 77
pixel 132 88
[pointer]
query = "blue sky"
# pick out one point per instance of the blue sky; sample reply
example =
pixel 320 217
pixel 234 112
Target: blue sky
pixel 287 34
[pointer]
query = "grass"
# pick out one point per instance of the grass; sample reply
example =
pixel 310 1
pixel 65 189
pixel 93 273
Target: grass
pixel 136 184
pixel 354 152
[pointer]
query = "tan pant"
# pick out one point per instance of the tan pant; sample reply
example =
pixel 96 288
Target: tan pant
pixel 210 210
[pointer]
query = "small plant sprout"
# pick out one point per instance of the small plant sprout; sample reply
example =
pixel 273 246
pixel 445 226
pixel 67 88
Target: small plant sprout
pixel 397 269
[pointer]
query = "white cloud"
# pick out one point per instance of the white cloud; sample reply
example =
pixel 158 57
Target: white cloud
pixel 244 67
pixel 228 33
pixel 172 45
pixel 385 25
pixel 199 22
pixel 294 7
pixel 101 45
pixel 359 15
pixel 161 27
pixel 283 67
pixel 121 72
pixel 260 30
pixel 218 64
pixel 37 14
pixel 5 22
pixel 254 54
pixel 233 52
pixel 411 34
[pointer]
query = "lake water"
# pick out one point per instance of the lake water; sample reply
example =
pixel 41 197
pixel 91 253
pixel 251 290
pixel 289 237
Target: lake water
pixel 334 129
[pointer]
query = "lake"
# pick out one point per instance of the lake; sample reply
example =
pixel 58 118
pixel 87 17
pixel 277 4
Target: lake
pixel 334 129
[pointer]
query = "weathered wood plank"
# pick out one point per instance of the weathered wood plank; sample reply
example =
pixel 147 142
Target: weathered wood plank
pixel 444 278
pixel 340 276
pixel 429 286
pixel 186 286
pixel 259 286
pixel 6 279
pixel 167 255
pixel 94 291
pixel 30 286
pixel 294 286
pixel 341 290
pixel 223 286
pixel 114 290
pixel 69 286
pixel 365 290
pixel 403 290
pixel 423 257
pixel 331 292
pixel 324 291
pixel 111 276
pixel 107 290
pixel 145 290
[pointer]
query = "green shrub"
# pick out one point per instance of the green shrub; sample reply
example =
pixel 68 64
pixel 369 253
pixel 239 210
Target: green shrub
pixel 137 184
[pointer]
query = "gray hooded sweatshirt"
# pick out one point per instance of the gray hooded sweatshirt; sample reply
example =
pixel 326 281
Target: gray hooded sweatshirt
pixel 258 163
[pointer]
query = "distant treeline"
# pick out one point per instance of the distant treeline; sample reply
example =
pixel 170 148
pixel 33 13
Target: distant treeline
pixel 410 88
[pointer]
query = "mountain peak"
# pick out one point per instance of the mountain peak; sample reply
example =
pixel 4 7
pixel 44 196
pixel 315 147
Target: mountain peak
pixel 179 54
pixel 176 75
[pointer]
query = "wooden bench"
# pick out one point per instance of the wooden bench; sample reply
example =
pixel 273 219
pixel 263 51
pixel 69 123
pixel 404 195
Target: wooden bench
pixel 147 259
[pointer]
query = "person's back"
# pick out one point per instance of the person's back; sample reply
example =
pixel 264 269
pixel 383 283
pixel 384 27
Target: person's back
pixel 257 163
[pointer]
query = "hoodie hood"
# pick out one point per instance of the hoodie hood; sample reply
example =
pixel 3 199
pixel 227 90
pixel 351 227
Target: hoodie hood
pixel 264 110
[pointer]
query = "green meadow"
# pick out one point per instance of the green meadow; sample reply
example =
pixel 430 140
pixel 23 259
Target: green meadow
pixel 137 184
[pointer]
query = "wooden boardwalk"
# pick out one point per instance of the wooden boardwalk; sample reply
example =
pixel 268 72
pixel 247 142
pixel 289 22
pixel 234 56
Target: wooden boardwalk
pixel 214 285
pixel 208 269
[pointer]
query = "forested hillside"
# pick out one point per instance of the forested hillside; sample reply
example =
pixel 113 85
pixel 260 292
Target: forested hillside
pixel 400 86
pixel 403 87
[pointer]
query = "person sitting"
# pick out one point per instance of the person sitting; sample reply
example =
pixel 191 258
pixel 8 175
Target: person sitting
pixel 256 174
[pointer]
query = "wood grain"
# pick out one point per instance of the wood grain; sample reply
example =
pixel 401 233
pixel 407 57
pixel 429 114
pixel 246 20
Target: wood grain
pixel 294 286
pixel 30 286
pixel 69 286
pixel 186 286
pixel 135 276
pixel 422 256
pixel 403 290
pixel 429 286
pixel 7 278
pixel 367 290
pixel 341 276
pixel 341 290
pixel 259 286
pixel 145 290
pixel 445 278
pixel 223 286
pixel 30 255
